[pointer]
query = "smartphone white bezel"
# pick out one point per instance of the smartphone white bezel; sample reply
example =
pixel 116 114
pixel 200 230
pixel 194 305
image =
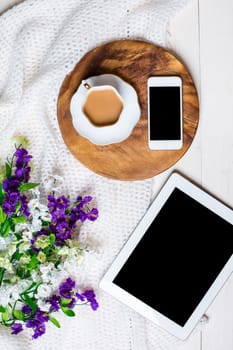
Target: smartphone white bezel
pixel 165 81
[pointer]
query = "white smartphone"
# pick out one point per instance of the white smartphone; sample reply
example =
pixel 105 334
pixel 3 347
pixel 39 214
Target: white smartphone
pixel 165 121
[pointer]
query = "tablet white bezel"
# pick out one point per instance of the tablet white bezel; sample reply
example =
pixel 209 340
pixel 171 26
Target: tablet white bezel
pixel 175 181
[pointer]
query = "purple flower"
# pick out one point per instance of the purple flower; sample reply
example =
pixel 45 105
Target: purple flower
pixel 11 185
pixel 38 323
pixel 55 303
pixel 80 212
pixel 22 171
pixel 23 174
pixel 93 214
pixel 39 330
pixel 90 296
pixel 80 296
pixel 82 201
pixel 22 157
pixel 63 202
pixel 41 316
pixel 72 304
pixel 66 288
pixel 77 214
pixel 58 215
pixel 24 205
pixel 63 231
pixel 10 201
pixel 26 309
pixel 52 205
pixel 32 323
pixel 16 328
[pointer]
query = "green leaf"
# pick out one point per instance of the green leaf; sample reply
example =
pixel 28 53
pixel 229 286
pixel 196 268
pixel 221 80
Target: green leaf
pixel 8 323
pixel 19 220
pixel 8 170
pixel 2 215
pixel 5 228
pixel 5 315
pixel 1 194
pixel 7 281
pixel 32 288
pixel 33 263
pixel 54 321
pixel 2 308
pixel 67 311
pixel 52 238
pixel 17 255
pixel 28 186
pixel 18 315
pixel 65 302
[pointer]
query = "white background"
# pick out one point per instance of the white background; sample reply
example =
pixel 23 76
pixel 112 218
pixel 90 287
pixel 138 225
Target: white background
pixel 201 35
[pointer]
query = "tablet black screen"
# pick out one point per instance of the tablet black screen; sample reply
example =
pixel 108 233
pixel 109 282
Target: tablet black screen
pixel 178 258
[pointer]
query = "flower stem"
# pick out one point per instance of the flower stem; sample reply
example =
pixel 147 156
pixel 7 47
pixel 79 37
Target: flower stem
pixel 2 271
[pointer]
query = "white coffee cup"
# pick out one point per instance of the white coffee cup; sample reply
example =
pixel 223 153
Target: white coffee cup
pixel 110 132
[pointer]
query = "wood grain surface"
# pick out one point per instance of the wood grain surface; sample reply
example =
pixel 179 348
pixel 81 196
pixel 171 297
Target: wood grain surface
pixel 134 61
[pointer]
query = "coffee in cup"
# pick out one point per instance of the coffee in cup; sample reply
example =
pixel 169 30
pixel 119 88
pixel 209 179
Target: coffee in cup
pixel 103 105
pixel 104 109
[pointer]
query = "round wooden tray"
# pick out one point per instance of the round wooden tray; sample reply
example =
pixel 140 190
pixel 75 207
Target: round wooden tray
pixel 134 61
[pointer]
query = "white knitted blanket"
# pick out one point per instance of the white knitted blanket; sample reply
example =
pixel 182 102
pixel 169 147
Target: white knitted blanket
pixel 41 41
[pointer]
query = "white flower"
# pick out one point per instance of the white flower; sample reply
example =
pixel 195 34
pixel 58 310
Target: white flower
pixel 33 204
pixel 46 216
pixel 56 279
pixel 6 264
pixel 22 226
pixel 47 270
pixel 64 251
pixel 38 209
pixel 44 291
pixel 35 275
pixel 25 259
pixel 35 193
pixel 41 257
pixel 24 246
pixel 43 305
pixel 2 244
pixel 36 224
pixel 26 235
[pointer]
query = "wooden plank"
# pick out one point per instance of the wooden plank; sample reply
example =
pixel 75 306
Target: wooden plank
pixel 216 30
pixel 192 343
pixel 217 91
pixel 187 49
pixel 217 334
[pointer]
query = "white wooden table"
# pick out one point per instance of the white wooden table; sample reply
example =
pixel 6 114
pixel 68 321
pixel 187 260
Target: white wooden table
pixel 201 35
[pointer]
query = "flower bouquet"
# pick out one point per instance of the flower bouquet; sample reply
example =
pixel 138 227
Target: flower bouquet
pixel 38 243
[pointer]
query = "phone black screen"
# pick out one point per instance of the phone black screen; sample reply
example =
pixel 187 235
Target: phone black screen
pixel 178 258
pixel 164 109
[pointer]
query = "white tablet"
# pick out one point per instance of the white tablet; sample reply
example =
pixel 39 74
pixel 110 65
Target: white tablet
pixel 177 259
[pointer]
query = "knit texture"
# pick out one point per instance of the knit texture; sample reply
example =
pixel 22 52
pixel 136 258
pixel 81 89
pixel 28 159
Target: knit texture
pixel 41 41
